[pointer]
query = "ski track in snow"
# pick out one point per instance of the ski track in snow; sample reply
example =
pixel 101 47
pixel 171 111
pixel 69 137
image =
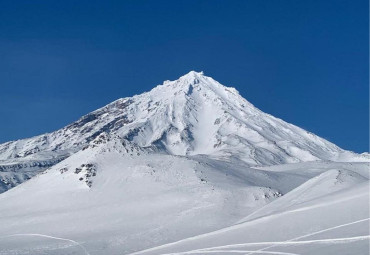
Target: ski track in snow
pixel 50 237
pixel 302 208
pixel 274 244
pixel 231 251
pixel 314 233
pixel 216 249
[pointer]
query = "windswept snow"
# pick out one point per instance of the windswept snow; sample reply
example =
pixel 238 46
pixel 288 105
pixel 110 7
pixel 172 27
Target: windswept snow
pixel 189 167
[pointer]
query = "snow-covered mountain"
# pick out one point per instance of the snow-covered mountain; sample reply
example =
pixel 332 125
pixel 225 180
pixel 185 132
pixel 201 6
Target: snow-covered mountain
pixel 191 159
pixel 190 116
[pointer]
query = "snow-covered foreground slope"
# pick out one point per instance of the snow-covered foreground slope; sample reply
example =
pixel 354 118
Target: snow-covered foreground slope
pixel 116 198
pixel 190 163
pixel 312 219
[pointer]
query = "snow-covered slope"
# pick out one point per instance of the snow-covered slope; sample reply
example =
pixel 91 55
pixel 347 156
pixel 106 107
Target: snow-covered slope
pixel 190 116
pixel 189 158
pixel 119 198
pixel 114 197
pixel 329 225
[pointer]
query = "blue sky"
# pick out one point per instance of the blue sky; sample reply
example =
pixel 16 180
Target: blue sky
pixel 303 61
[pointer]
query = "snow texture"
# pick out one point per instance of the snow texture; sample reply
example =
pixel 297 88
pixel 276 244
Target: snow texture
pixel 189 167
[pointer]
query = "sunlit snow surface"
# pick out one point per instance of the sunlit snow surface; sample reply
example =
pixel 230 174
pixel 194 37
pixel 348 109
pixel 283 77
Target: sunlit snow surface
pixel 188 168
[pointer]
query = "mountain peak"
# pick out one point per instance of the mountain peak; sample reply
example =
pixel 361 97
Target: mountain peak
pixel 193 74
pixel 191 77
pixel 194 79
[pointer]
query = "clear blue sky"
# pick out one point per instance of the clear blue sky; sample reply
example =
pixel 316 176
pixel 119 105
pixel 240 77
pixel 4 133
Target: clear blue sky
pixel 303 61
